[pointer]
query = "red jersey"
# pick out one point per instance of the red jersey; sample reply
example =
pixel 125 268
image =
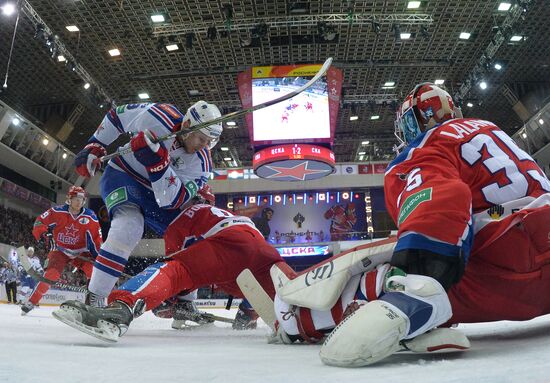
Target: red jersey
pixel 446 182
pixel 72 234
pixel 343 218
pixel 198 222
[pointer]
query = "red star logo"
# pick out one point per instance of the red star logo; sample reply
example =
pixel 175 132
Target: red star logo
pixel 171 180
pixel 71 230
pixel 298 172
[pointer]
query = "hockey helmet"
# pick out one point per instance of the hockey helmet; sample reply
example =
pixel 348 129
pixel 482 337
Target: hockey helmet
pixel 76 191
pixel 200 112
pixel 424 108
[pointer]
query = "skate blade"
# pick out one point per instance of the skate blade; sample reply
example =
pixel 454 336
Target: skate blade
pixel 106 332
pixel 189 325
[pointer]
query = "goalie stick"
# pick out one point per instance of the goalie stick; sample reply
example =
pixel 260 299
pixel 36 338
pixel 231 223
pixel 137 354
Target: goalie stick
pixel 232 115
pixel 258 298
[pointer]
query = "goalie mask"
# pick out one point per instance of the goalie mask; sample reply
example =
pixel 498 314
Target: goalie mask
pixel 200 112
pixel 426 107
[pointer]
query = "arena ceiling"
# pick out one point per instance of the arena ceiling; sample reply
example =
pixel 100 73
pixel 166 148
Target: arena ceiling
pixel 359 35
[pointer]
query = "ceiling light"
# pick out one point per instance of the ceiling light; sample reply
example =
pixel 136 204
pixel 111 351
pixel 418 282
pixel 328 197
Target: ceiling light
pixel 375 117
pixel 439 82
pixel 464 35
pixel 541 121
pixel 87 85
pixel 404 35
pixel 224 149
pixel 114 52
pixel 157 18
pixel 469 105
pixel 172 47
pixel 16 121
pixel 413 4
pixel 504 6
pixel 516 38
pixel 231 123
pixel 353 118
pixel 389 83
pixel 498 66
pixel 72 28
pixel 524 135
pixel 193 92
pixel 45 141
pixel 61 58
pixel 227 158
pixel 143 96
pixel 8 9
pixel 362 153
pixel 365 142
pixel 64 155
pixel 483 85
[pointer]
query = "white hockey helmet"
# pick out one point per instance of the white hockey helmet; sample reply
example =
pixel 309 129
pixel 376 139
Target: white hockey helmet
pixel 30 249
pixel 200 112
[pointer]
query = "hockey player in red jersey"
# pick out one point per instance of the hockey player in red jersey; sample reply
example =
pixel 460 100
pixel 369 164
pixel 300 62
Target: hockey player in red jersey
pixel 205 246
pixel 342 220
pixel 68 231
pixel 473 213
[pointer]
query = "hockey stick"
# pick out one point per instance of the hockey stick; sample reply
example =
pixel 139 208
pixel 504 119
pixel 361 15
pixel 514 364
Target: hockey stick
pixel 232 115
pixel 86 259
pixel 258 298
pixel 24 260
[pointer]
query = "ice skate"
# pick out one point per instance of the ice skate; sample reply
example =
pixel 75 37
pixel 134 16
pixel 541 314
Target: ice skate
pixel 187 316
pixel 105 323
pixel 26 308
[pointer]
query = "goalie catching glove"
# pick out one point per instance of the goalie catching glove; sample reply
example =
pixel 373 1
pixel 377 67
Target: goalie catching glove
pixel 88 160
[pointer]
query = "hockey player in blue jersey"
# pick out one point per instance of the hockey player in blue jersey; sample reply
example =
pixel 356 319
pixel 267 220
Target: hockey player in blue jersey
pixel 175 169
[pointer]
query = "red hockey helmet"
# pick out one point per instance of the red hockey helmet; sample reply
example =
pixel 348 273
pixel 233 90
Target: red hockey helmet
pixel 76 191
pixel 424 108
pixel 206 195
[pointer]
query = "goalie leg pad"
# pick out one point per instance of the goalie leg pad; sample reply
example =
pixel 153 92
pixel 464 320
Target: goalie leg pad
pixel 368 335
pixel 319 287
pixel 438 340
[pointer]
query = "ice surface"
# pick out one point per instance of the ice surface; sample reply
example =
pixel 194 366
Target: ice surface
pixel 38 349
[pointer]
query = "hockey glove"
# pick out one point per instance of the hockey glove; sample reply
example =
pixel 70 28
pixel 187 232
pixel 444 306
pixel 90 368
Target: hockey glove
pixel 153 156
pixel 47 240
pixel 87 161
